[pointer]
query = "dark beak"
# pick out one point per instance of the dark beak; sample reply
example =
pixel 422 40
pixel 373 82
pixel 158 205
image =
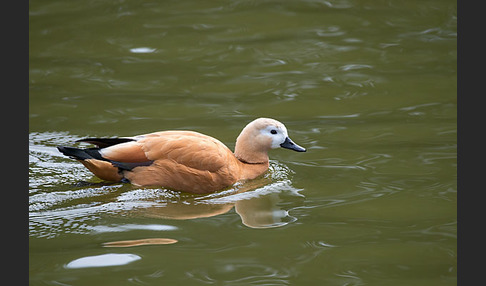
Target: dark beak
pixel 289 144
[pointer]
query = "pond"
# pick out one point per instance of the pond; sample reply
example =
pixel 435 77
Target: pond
pixel 368 87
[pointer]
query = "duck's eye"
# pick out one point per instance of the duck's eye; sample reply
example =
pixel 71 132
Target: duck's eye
pixel 273 131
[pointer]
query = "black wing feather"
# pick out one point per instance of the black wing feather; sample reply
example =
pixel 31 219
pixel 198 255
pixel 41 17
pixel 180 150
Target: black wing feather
pixel 129 166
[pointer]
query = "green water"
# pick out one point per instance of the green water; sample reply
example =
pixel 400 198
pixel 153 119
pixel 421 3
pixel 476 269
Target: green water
pixel 368 87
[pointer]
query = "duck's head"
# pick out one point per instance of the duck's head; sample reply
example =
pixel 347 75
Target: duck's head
pixel 261 135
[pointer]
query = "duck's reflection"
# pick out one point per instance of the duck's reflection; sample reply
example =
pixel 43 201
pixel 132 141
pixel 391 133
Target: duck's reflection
pixel 257 208
pixel 259 203
pixel 186 210
pixel 262 212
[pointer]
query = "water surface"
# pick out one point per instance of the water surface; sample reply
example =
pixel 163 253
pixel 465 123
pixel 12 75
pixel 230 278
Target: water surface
pixel 368 87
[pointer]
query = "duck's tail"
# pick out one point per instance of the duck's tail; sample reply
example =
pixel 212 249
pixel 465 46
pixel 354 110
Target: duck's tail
pixel 80 154
pixel 92 159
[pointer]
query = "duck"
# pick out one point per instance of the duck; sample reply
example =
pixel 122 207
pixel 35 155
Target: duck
pixel 182 160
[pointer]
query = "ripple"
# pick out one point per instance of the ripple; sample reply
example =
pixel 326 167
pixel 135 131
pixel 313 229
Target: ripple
pixel 339 116
pixel 241 272
pixel 45 201
pixel 320 244
pixel 355 67
pixel 444 230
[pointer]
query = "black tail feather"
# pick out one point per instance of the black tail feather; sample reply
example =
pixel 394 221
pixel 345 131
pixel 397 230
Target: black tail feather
pixel 105 142
pixel 80 154
pixel 93 153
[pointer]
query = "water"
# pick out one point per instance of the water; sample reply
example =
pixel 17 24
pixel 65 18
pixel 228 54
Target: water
pixel 368 87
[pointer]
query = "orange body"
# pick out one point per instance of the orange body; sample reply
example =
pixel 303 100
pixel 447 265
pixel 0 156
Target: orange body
pixel 185 160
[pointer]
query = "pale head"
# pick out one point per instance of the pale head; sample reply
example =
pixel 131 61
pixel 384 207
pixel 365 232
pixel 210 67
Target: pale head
pixel 261 135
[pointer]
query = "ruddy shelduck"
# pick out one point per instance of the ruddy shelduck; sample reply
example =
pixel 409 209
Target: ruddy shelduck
pixel 184 161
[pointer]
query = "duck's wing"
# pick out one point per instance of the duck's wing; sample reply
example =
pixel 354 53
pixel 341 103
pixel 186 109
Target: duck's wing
pixel 191 149
pixel 185 161
pixel 188 148
pixel 127 152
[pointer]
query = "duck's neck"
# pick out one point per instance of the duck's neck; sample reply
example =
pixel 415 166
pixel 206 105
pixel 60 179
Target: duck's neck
pixel 250 171
pixel 250 153
pixel 251 158
pixel 252 163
